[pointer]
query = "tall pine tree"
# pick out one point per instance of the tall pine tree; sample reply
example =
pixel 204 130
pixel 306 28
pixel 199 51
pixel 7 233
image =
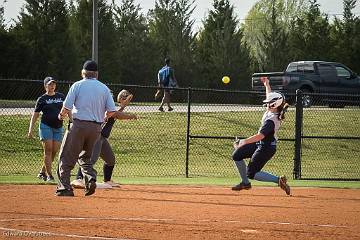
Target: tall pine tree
pixel 219 49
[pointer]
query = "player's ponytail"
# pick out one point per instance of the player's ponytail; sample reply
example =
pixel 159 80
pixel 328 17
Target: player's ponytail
pixel 282 110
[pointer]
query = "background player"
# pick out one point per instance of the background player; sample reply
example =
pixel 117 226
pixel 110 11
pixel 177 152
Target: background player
pixel 261 147
pixel 102 147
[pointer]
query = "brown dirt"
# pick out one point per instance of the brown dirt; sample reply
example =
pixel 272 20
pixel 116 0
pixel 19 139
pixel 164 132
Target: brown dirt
pixel 179 212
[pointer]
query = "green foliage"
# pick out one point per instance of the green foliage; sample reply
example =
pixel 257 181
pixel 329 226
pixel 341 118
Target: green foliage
pixel 2 19
pixel 346 35
pixel 134 49
pixel 310 35
pixel 170 28
pixel 55 38
pixel 267 29
pixel 43 29
pixel 219 49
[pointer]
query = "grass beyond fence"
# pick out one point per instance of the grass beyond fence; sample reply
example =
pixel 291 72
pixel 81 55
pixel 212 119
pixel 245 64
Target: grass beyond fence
pixel 155 144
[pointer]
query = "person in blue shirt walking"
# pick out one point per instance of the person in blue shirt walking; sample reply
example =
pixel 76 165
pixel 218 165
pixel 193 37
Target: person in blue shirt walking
pixel 91 103
pixel 50 128
pixel 261 147
pixel 166 78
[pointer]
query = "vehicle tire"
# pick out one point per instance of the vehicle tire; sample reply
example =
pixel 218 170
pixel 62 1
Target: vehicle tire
pixel 307 100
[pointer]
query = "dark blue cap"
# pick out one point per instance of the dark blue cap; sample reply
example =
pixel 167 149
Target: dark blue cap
pixel 90 65
pixel 49 80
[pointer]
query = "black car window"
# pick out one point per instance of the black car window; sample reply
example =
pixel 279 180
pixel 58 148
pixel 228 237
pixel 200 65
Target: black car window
pixel 292 67
pixel 309 68
pixel 342 72
pixel 327 72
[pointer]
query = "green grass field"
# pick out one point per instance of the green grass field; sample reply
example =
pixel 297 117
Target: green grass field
pixel 154 147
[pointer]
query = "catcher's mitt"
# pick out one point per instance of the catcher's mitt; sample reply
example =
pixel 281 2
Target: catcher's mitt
pixel 124 98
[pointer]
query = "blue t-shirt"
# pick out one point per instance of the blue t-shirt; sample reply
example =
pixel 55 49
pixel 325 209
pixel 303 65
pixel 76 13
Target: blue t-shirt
pixel 50 107
pixel 89 99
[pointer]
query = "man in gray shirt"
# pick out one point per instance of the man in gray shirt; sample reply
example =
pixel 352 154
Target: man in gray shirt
pixel 90 103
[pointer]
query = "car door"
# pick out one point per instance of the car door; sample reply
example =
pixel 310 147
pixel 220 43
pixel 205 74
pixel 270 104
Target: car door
pixel 348 82
pixel 329 79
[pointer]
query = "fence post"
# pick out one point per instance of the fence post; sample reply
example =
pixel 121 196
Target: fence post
pixel 298 134
pixel 188 134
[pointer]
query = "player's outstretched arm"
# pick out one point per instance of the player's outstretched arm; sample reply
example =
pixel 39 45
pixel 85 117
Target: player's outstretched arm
pixel 124 116
pixel 265 81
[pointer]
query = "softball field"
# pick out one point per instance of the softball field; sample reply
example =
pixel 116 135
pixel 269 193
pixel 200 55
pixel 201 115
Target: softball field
pixel 179 212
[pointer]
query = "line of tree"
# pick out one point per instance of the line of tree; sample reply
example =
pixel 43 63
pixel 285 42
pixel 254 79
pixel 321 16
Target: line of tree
pixel 53 37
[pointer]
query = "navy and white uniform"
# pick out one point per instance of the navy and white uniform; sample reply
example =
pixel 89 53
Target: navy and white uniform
pixel 260 152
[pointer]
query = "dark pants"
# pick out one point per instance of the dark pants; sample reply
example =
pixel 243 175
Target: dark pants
pixel 259 154
pixel 77 146
pixel 101 149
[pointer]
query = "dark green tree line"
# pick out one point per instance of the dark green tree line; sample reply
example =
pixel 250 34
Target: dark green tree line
pixel 54 37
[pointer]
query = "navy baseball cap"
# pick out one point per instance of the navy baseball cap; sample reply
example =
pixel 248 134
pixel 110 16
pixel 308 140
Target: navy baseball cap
pixel 49 80
pixel 90 65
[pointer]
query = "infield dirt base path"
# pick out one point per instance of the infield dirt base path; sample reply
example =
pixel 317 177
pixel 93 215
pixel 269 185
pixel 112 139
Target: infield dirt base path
pixel 179 212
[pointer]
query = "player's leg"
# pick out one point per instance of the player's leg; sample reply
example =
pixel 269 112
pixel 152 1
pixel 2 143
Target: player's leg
pixel 47 147
pixel 70 149
pixel 92 133
pixel 167 96
pixel 238 156
pixel 260 157
pixel 46 136
pixel 108 156
pixel 56 143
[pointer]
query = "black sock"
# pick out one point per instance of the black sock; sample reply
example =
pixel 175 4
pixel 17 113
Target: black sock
pixel 108 170
pixel 79 174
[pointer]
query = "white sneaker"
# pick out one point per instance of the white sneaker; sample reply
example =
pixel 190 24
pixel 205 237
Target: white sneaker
pixel 112 183
pixel 103 186
pixel 78 183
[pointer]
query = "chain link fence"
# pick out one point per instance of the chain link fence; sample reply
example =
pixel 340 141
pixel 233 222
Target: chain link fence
pixel 196 138
pixel 330 137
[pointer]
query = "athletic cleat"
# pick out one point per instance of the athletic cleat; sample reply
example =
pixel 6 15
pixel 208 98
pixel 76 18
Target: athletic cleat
pixel 78 183
pixel 42 176
pixel 90 188
pixel 283 184
pixel 112 183
pixel 161 109
pixel 64 193
pixel 103 186
pixel 50 179
pixel 241 186
pixel 170 109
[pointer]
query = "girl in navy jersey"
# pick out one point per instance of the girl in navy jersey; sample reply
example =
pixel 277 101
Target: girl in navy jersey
pixel 261 147
pixel 50 128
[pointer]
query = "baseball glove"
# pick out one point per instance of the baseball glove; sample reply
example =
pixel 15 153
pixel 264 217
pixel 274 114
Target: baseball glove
pixel 124 98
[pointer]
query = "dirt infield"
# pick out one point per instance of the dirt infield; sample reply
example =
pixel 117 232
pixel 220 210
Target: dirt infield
pixel 179 212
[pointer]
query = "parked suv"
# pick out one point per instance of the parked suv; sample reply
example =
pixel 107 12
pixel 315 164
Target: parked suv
pixel 313 77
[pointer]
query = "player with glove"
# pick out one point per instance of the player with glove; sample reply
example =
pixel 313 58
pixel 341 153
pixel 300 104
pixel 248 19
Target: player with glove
pixel 261 147
pixel 102 147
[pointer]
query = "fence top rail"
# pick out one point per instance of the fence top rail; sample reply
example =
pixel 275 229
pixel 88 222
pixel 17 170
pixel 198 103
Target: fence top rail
pixel 182 88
